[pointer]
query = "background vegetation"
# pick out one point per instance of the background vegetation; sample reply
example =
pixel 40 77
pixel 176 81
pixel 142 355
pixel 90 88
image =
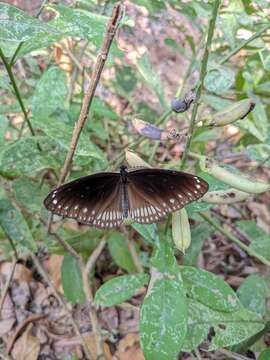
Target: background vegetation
pixel 78 292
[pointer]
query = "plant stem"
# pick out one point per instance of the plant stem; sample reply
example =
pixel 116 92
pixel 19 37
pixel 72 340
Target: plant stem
pixel 16 90
pixel 201 80
pixel 234 239
pixel 243 44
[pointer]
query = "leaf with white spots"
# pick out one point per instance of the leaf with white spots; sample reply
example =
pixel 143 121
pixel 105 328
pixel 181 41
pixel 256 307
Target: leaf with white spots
pixel 209 289
pixel 15 226
pixel 148 232
pixel 120 289
pixel 163 319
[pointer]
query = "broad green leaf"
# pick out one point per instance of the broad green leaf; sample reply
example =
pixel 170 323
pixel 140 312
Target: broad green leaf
pixel 50 94
pixel 152 5
pixel 259 152
pixel 24 158
pixel 216 102
pixel 229 327
pixel 72 280
pixel 209 289
pixel 252 294
pixel 62 133
pixel 14 225
pixel 260 118
pixel 163 258
pixel 151 78
pixel 264 355
pixel 16 25
pixel 100 109
pixel 260 240
pixel 199 234
pixel 148 232
pixel 79 23
pixel 29 194
pixel 163 318
pixel 219 80
pixel 120 289
pixel 120 252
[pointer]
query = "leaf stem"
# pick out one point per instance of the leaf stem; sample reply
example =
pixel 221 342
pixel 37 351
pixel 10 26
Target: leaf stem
pixel 234 239
pixel 17 92
pixel 203 72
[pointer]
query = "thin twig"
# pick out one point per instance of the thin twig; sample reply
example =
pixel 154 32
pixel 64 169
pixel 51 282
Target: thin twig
pixel 63 304
pixel 86 269
pixel 101 59
pixel 7 284
pixel 17 92
pixel 89 95
pixel 235 240
pixel 203 72
pixel 244 43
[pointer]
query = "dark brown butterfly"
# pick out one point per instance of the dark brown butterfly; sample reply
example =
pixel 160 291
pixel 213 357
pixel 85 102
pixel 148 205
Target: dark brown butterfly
pixel 145 195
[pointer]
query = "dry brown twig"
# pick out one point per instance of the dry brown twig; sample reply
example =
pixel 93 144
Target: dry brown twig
pixel 7 284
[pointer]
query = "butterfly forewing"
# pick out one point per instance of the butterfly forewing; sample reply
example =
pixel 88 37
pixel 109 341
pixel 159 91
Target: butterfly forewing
pixel 93 200
pixel 153 193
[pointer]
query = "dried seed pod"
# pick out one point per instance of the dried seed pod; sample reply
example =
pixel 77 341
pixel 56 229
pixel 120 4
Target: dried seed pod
pixel 238 181
pixel 230 114
pixel 183 104
pixel 154 133
pixel 229 196
pixel 134 160
pixel 181 230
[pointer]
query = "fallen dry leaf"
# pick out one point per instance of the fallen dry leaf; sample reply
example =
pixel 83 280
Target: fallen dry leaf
pixel 6 326
pixel 91 343
pixel 129 348
pixel 27 346
pixel 21 272
pixel 54 268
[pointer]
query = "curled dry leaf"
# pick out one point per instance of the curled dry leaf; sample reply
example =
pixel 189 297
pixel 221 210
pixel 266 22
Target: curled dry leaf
pixel 181 230
pixel 229 196
pixel 129 348
pixel 91 343
pixel 27 346
pixel 135 160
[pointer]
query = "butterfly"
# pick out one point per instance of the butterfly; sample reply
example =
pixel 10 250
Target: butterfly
pixel 106 199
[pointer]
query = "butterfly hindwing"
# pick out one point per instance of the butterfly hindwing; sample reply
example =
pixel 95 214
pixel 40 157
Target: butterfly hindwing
pixel 154 193
pixel 93 200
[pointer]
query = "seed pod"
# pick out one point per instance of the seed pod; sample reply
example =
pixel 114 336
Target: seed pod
pixel 179 105
pixel 230 114
pixel 238 181
pixel 181 230
pixel 134 160
pixel 154 133
pixel 229 196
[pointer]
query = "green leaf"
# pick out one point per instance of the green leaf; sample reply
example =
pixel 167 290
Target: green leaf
pixel 219 80
pixel 52 82
pixel 29 194
pixel 14 225
pixel 229 327
pixel 15 25
pixel 260 240
pixel 120 252
pixel 209 289
pixel 199 234
pixel 120 289
pixel 24 158
pixel 252 293
pixel 72 280
pixel 259 152
pixel 148 232
pixel 79 23
pixel 163 317
pixel 151 78
pixel 264 355
pixel 62 133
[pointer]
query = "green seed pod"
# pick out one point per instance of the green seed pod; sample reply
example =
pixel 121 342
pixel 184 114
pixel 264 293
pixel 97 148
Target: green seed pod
pixel 181 230
pixel 229 196
pixel 134 160
pixel 237 181
pixel 230 114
